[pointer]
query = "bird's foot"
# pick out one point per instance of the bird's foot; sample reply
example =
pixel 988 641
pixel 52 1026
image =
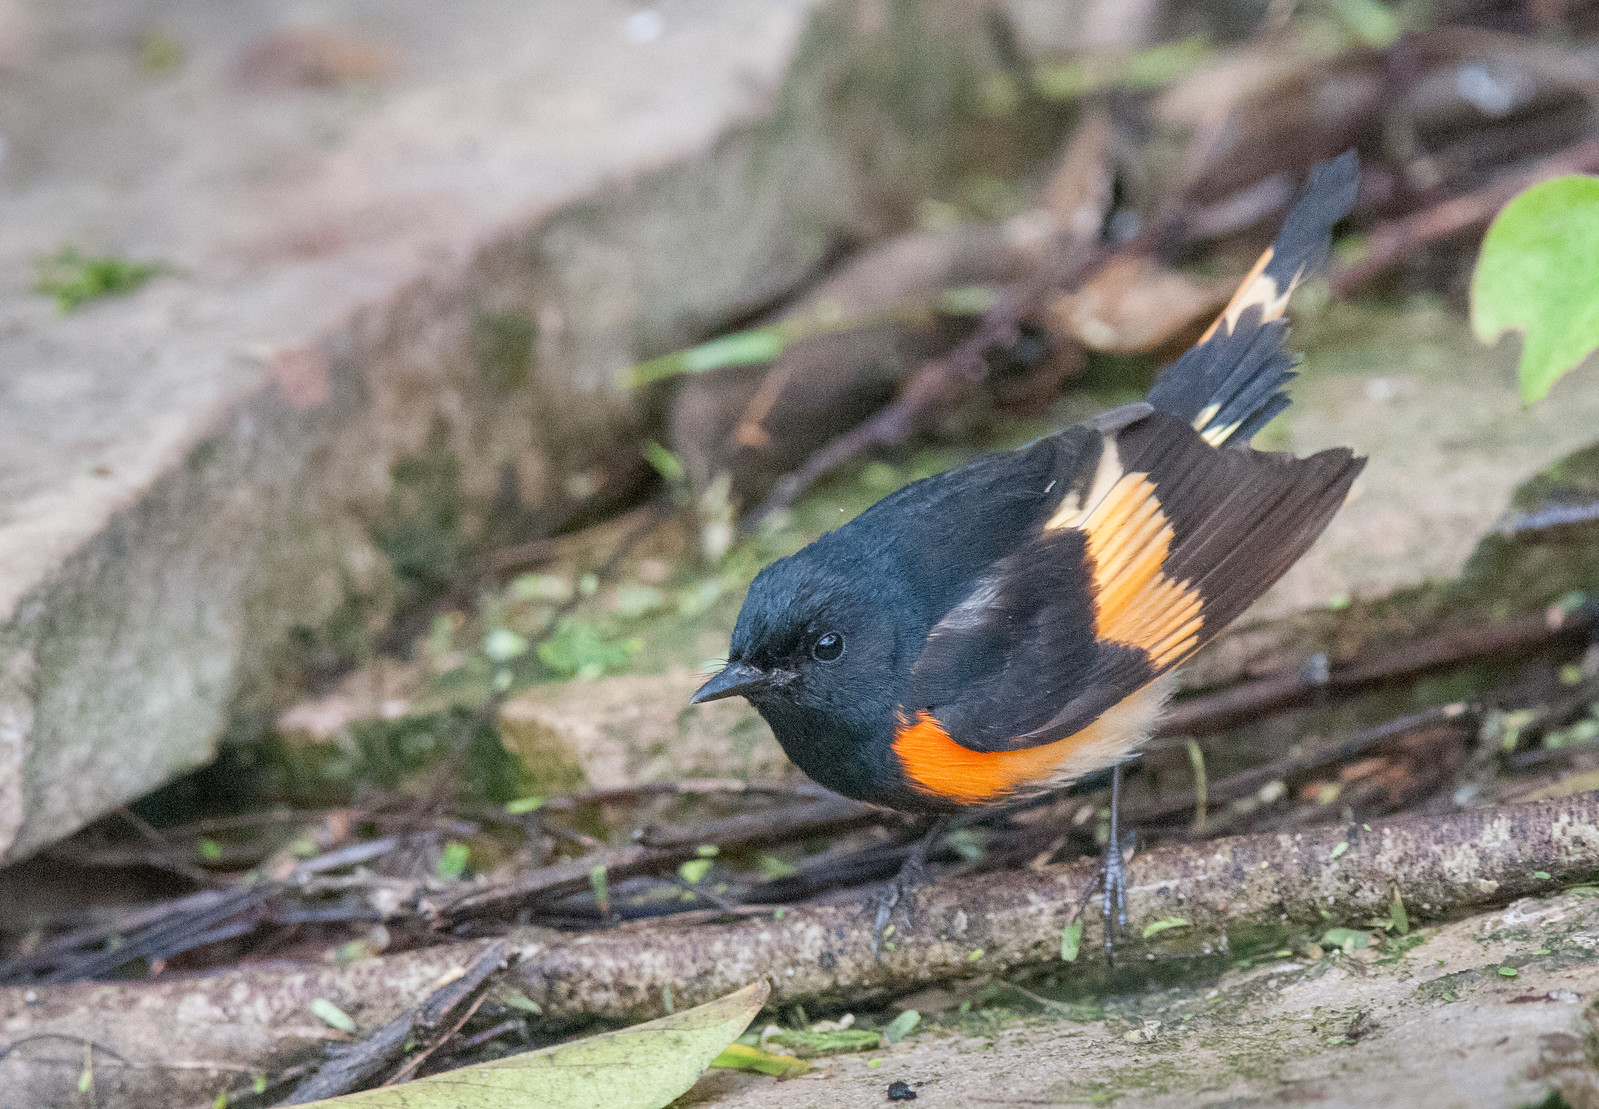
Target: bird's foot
pixel 1113 877
pixel 898 893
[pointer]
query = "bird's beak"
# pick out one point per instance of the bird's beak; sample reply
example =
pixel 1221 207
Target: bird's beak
pixel 737 679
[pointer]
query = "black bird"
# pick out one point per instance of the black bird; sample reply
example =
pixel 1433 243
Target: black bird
pixel 1011 625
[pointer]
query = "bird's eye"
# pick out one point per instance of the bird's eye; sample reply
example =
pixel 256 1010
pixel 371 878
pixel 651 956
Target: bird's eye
pixel 828 648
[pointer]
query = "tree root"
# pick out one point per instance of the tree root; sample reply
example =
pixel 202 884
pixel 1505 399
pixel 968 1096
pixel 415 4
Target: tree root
pixel 178 1042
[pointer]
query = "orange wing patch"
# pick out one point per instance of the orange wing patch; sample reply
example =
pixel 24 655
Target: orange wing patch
pixel 938 766
pixel 1135 603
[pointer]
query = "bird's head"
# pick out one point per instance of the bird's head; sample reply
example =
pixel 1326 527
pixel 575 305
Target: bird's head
pixel 820 650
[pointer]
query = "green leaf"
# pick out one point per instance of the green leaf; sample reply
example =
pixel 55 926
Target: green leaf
pixel 1338 849
pixel 599 882
pixel 667 464
pixel 773 868
pixel 745 1057
pixel 647 1066
pixel 902 1026
pixel 452 861
pixel 1071 939
pixel 578 649
pixel 1372 23
pixel 1508 972
pixel 331 1015
pixel 1349 939
pixel 523 805
pixel 1538 273
pixel 694 870
pixel 968 844
pixel 831 1042
pixel 1146 69
pixel 1159 926
pixel 742 348
pixel 1397 914
pixel 968 300
pixel 503 645
pixel 516 999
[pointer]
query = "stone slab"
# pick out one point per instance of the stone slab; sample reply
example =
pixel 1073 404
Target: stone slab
pixel 389 232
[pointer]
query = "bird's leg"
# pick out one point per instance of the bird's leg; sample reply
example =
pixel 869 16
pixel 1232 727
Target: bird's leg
pixel 900 890
pixel 1115 872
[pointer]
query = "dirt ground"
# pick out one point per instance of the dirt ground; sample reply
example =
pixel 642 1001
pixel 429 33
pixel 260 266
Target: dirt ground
pixel 1488 1011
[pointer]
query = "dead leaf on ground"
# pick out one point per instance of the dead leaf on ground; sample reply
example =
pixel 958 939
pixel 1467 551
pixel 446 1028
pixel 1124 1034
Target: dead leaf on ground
pixel 1135 305
pixel 644 1067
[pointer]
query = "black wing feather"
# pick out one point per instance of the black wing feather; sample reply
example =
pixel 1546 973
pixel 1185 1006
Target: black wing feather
pixel 1021 662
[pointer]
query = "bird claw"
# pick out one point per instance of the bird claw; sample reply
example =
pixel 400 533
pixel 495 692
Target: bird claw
pixel 899 892
pixel 1114 882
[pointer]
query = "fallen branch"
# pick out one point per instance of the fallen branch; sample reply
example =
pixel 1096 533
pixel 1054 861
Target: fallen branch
pixel 257 1018
pixel 822 954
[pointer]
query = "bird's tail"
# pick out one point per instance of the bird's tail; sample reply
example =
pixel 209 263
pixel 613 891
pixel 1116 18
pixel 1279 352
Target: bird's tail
pixel 1231 383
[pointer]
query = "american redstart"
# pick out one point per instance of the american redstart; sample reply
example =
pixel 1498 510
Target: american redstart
pixel 1011 625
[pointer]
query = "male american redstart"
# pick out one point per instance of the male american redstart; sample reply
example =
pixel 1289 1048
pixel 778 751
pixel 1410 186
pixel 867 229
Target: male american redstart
pixel 1011 625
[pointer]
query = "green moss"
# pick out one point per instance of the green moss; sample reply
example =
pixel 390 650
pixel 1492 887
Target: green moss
pixel 420 528
pixel 73 278
pixel 1397 947
pixel 502 349
pixel 390 755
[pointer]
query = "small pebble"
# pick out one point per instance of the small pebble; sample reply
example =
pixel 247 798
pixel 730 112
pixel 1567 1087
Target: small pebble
pixel 900 1091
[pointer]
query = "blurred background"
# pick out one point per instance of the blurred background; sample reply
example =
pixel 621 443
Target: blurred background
pixel 396 399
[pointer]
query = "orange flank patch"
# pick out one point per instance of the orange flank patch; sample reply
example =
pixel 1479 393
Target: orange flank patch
pixel 938 766
pixel 1135 603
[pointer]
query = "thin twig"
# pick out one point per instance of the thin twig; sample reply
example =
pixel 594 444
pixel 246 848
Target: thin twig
pixel 356 1065
pixel 1391 243
pixel 1214 712
pixel 411 1064
pixel 661 852
pixel 935 386
pixel 1247 782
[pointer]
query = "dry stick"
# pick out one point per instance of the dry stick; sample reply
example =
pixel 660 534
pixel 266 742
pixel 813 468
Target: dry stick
pixel 1246 782
pixel 938 383
pixel 823 954
pixel 752 829
pixel 1215 711
pixel 1390 243
pixel 355 1066
pixel 686 787
pixel 412 1064
pixel 179 925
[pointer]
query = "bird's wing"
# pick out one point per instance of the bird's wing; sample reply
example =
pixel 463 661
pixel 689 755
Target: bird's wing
pixel 1164 542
